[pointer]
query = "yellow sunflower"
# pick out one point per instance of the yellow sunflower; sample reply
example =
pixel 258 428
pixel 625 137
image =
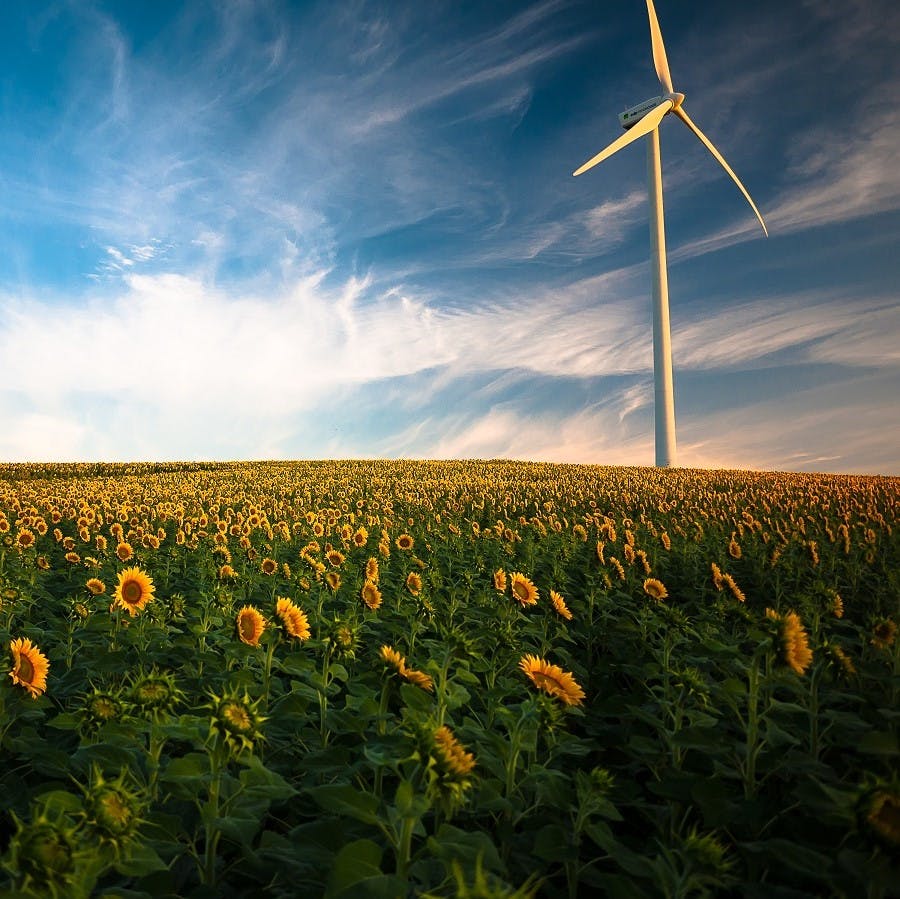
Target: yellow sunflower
pixel 655 588
pixel 500 580
pixel 134 590
pixel 736 591
pixel 333 579
pixel 372 570
pixel 419 678
pixel 96 586
pixel 250 625
pixel 371 595
pixel 523 590
pixel 30 666
pixel 883 634
pixel 884 815
pixel 293 618
pixel 795 645
pixel 552 679
pixel 124 551
pixel 404 541
pixel 414 583
pixel 453 753
pixel 391 657
pixel 559 604
pixel 335 558
pixel 269 566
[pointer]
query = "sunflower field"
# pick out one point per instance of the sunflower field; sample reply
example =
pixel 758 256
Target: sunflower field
pixel 447 679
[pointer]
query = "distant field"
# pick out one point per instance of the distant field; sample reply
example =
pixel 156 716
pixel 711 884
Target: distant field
pixel 461 679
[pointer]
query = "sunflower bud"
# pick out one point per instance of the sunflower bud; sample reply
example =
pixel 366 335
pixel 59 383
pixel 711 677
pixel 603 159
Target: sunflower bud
pixel 235 721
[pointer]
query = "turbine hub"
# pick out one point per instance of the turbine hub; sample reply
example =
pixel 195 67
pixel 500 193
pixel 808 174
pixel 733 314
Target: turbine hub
pixel 677 99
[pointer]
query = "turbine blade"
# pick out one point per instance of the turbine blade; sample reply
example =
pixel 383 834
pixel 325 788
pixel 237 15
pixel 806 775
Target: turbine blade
pixel 639 129
pixel 659 51
pixel 708 143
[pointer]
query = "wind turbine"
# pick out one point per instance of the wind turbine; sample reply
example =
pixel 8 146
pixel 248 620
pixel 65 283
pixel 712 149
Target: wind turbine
pixel 640 120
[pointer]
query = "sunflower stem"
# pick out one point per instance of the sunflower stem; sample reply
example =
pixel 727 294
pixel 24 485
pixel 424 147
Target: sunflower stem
pixel 267 672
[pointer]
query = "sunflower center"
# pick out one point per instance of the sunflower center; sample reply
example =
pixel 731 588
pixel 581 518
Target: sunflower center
pixel 26 669
pixel 236 717
pixel 104 708
pixel 114 811
pixel 131 592
pixel 248 626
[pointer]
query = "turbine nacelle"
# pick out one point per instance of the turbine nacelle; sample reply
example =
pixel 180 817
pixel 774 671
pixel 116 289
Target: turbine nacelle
pixel 634 114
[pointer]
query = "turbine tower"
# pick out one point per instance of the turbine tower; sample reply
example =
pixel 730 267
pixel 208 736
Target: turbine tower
pixel 638 121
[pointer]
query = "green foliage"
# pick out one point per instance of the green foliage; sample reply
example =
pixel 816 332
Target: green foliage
pixel 738 737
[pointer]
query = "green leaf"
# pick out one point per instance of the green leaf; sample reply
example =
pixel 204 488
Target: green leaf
pixel 342 799
pixel 553 843
pixel 779 852
pixel 356 872
pixel 415 698
pixel 451 844
pixel 875 743
pixel 140 860
pixel 260 782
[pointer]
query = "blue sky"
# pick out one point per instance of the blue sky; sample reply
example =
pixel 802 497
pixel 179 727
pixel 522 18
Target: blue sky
pixel 247 229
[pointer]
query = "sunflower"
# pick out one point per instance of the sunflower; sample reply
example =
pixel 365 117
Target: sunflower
pixel 884 633
pixel 391 657
pixel 523 590
pixel 96 586
pixel 560 605
pixel 717 577
pixel 113 807
pixel 655 588
pixel 250 625
pixel 124 551
pixel 414 583
pixel 620 571
pixel 269 566
pixel 333 579
pixel 500 580
pixel 552 679
pixel 884 815
pixel 293 618
pixel 419 678
pixel 452 753
pixel 372 570
pixel 837 606
pixel 360 537
pixel 734 548
pixel 226 572
pixel 335 558
pixel 736 592
pixel 30 666
pixel 404 541
pixel 134 590
pixel 371 595
pixel 42 563
pixel 25 539
pixel 235 721
pixel 797 654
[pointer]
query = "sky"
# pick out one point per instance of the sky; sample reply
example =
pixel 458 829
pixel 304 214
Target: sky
pixel 243 229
